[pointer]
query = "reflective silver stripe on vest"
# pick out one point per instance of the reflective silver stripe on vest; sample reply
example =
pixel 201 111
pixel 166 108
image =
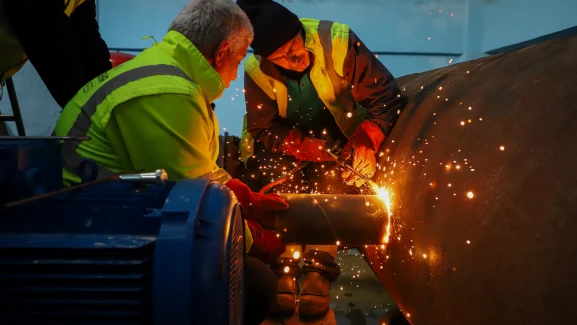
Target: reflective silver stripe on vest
pixel 343 94
pixel 325 36
pixel 71 159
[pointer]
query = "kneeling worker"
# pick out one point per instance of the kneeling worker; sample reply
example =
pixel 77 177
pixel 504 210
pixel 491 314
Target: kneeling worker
pixel 310 85
pixel 155 111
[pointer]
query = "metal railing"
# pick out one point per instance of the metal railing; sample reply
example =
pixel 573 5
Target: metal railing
pixel 16 116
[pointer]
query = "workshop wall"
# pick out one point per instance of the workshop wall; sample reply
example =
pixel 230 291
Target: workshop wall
pixel 511 22
pixel 408 36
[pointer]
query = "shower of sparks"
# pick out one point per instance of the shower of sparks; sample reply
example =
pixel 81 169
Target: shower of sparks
pixel 451 166
pixel 385 196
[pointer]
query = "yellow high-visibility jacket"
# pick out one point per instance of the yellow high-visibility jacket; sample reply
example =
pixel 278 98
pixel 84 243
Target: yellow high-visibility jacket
pixel 329 41
pixel 154 111
pixel 350 85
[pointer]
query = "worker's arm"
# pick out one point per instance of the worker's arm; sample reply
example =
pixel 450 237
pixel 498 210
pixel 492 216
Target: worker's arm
pixel 374 87
pixel 263 121
pixel 171 131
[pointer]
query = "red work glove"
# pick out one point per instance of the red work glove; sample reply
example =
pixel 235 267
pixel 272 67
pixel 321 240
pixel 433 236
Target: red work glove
pixel 266 246
pixel 305 148
pixel 256 206
pixel 361 148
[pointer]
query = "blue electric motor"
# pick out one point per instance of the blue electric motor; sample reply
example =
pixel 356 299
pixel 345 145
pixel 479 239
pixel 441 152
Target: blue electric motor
pixel 115 252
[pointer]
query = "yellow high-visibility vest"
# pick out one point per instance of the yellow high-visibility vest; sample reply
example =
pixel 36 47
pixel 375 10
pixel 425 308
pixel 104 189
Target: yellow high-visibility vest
pixel 329 42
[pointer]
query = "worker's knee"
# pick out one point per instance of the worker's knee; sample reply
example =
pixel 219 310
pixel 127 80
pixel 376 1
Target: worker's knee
pixel 260 287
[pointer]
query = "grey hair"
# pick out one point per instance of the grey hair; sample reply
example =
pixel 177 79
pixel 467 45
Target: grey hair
pixel 206 23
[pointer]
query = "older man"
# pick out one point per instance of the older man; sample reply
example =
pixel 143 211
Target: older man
pixel 156 111
pixel 311 85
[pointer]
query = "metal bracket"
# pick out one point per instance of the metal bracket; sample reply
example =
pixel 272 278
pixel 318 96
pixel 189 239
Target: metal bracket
pixel 16 115
pixel 87 170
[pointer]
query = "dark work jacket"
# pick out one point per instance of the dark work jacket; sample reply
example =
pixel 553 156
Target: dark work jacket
pixel 373 87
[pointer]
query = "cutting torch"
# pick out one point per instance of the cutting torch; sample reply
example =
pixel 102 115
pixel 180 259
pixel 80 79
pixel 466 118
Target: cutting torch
pixel 343 164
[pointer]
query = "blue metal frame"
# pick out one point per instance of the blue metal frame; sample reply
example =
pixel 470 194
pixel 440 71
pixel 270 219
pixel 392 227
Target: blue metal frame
pixel 29 168
pixel 191 281
pixel 174 252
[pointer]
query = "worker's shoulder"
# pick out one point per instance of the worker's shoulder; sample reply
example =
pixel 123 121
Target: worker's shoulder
pixel 175 107
pixel 322 22
pixel 251 60
pixel 193 96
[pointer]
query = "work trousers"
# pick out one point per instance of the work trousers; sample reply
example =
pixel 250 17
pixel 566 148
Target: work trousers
pixel 67 52
pixel 260 286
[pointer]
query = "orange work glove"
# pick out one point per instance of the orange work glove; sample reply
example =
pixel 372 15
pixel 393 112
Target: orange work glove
pixel 305 148
pixel 256 206
pixel 266 246
pixel 361 148
pixel 258 210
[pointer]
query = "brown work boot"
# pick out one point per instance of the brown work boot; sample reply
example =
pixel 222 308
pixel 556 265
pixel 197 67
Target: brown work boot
pixel 287 271
pixel 319 271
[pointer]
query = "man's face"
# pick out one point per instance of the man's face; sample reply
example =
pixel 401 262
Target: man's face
pixel 226 61
pixel 292 55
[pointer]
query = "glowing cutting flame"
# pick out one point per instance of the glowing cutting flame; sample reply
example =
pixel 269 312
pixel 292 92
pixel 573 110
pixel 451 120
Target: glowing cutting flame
pixel 385 196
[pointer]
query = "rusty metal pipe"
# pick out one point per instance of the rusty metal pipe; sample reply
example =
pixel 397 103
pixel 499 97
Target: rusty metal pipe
pixel 325 219
pixel 503 128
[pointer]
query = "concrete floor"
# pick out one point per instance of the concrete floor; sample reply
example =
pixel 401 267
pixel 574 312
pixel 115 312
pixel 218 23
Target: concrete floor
pixel 357 297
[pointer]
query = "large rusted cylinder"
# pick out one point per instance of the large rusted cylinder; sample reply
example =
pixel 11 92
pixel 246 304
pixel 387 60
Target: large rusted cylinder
pixel 324 219
pixel 482 166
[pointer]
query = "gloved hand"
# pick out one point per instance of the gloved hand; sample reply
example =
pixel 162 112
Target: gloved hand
pixel 256 206
pixel 361 148
pixel 258 210
pixel 266 246
pixel 305 148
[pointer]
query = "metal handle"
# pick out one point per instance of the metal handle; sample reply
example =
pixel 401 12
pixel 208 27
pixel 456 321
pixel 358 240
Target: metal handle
pixel 158 177
pixel 371 183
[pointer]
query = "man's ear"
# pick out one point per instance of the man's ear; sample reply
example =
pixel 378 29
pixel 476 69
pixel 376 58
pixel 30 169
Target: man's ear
pixel 222 52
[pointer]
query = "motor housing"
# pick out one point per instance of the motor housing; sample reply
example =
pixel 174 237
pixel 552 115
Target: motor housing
pixel 122 253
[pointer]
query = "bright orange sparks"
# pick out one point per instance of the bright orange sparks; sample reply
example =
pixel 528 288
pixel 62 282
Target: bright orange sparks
pixel 385 196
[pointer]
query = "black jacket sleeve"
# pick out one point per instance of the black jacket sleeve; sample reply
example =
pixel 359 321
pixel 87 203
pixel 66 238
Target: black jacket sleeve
pixel 263 121
pixel 374 87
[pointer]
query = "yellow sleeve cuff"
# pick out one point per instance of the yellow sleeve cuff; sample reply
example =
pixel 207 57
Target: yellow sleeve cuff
pixel 247 237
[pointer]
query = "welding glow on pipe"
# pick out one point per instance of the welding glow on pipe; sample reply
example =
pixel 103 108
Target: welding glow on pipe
pixel 326 219
pixel 385 196
pixel 382 192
